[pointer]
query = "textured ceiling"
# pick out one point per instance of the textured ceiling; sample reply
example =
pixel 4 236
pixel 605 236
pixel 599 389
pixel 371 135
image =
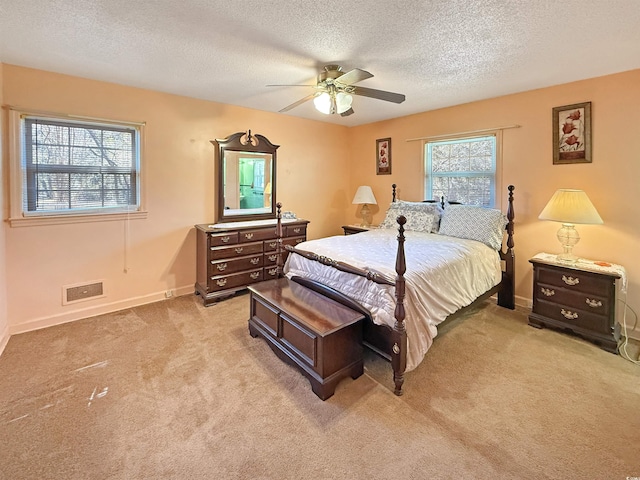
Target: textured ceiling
pixel 436 52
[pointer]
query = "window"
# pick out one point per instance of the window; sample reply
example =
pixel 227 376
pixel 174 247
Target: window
pixel 74 167
pixel 462 170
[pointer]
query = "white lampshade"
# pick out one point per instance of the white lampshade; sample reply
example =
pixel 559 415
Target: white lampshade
pixel 343 102
pixel 364 194
pixel 571 206
pixel 322 103
pixel 267 189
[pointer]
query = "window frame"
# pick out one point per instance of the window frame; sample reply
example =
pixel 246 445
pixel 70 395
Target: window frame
pixel 20 216
pixel 495 195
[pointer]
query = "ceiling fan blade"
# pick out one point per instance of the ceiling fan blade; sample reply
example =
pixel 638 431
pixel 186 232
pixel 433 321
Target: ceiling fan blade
pixel 353 76
pixel 296 85
pixel 379 94
pixel 347 113
pixel 299 102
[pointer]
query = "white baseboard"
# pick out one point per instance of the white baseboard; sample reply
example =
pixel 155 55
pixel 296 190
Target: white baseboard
pixel 80 313
pixel 4 338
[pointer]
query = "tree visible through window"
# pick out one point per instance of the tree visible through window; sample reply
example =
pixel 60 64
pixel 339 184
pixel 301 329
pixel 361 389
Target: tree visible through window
pixel 462 170
pixel 76 166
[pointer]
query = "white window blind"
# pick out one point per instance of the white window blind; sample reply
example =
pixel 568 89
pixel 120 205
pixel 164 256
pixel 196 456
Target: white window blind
pixel 75 166
pixel 461 170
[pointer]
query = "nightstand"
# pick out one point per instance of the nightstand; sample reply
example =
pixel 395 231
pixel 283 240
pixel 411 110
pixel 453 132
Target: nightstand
pixel 580 298
pixel 351 229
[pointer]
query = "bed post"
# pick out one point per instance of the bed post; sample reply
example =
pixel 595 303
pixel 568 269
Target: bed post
pixel 506 294
pixel 399 349
pixel 279 262
pixel 393 193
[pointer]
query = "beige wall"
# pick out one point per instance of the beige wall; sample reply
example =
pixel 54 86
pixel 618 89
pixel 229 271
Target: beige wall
pixel 612 181
pixel 179 191
pixel 160 250
pixel 4 322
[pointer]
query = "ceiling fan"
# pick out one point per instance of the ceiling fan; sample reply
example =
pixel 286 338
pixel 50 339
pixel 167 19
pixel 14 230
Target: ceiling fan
pixel 334 89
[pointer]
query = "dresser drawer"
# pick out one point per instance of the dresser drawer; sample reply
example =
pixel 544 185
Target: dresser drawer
pixel 219 253
pixel 295 231
pixel 565 296
pixel 270 258
pixel 270 272
pixel 255 235
pixel 224 267
pixel 574 280
pixel 293 241
pixel 570 316
pixel 223 282
pixel 221 239
pixel 270 245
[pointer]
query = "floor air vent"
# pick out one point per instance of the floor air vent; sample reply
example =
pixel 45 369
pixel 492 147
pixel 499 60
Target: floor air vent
pixel 80 292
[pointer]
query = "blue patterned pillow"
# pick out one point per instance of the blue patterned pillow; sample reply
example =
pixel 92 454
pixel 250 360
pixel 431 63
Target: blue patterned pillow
pixel 485 225
pixel 418 215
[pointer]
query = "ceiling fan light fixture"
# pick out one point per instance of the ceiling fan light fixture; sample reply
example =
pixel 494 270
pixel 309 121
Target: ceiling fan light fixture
pixel 343 102
pixel 322 103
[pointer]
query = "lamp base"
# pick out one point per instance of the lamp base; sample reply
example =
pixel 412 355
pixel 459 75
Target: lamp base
pixel 568 237
pixel 366 216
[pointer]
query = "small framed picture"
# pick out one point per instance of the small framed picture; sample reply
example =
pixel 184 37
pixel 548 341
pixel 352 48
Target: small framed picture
pixel 572 134
pixel 383 156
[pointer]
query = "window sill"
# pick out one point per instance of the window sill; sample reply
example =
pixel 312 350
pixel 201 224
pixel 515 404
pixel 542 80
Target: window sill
pixel 84 218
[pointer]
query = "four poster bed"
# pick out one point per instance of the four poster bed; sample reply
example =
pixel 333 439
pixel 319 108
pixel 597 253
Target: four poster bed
pixel 453 257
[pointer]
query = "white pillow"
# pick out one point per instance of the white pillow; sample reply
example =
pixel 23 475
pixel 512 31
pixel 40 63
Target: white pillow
pixel 418 215
pixel 483 224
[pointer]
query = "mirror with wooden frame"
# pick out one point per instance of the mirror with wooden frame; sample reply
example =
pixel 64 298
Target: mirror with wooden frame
pixel 246 177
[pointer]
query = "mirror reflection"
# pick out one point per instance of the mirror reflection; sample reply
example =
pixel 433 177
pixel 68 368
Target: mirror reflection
pixel 247 183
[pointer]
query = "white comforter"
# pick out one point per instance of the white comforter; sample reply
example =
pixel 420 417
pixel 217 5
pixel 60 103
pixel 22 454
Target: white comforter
pixel 443 275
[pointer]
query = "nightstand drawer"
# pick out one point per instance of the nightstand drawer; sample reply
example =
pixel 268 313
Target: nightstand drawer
pixel 574 279
pixel 564 296
pixel 573 317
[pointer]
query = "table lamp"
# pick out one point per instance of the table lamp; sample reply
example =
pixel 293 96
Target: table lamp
pixel 570 207
pixel 364 196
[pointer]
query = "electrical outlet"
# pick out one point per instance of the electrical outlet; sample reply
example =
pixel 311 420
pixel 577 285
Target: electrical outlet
pixel 168 294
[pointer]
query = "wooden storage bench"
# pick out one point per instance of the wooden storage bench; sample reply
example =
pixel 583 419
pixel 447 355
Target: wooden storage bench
pixel 319 335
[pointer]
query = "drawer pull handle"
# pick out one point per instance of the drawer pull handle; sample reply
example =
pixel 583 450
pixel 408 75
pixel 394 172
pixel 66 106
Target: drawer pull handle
pixel 248 236
pixel 254 261
pixel 239 249
pixel 396 348
pixel 570 280
pixel 594 303
pixel 547 292
pixel 221 282
pixel 225 239
pixel 254 275
pixel 273 271
pixel 273 245
pixel 568 314
pixel 296 230
pixel 221 267
pixel 273 258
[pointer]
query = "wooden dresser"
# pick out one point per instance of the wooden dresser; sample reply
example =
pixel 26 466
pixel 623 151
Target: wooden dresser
pixel 575 298
pixel 233 256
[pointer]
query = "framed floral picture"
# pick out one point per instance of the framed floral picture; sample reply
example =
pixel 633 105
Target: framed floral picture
pixel 383 156
pixel 572 134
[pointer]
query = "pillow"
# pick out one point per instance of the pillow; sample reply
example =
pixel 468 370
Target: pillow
pixel 483 224
pixel 416 213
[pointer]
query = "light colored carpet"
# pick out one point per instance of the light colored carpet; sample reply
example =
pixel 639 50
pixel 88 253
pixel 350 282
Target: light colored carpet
pixel 177 390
